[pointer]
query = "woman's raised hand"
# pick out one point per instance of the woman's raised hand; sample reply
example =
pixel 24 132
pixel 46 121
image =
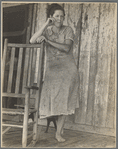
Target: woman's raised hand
pixel 41 39
pixel 50 21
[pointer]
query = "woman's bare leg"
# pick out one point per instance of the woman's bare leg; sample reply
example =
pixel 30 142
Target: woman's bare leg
pixel 60 124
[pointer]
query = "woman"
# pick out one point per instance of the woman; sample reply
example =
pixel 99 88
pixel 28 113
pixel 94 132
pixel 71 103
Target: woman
pixel 59 95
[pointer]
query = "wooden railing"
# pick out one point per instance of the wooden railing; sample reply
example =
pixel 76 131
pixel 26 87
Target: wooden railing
pixel 25 81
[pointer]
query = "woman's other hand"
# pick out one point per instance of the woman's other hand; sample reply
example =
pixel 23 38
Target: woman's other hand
pixel 41 39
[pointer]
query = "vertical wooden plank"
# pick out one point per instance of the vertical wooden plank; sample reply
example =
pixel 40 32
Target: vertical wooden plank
pixel 73 14
pixel 11 70
pixel 38 93
pixel 34 49
pixel 41 11
pixel 25 122
pixel 34 19
pixel 66 13
pixel 30 67
pixel 93 21
pixel 34 64
pixel 25 72
pixel 104 60
pixel 110 120
pixel 4 60
pixel 19 70
pixel 84 64
pixel 30 23
pixel 37 64
pixel 27 50
pixel 73 17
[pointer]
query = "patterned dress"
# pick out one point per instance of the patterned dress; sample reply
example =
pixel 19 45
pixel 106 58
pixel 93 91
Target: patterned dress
pixel 60 88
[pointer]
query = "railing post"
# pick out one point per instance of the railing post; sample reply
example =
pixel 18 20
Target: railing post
pixel 38 93
pixel 25 122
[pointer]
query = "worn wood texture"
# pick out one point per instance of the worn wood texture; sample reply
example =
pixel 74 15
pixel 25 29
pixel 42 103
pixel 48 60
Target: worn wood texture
pixel 97 66
pixel 34 50
pixel 11 70
pixel 73 14
pixel 39 21
pixel 94 51
pixel 94 19
pixel 27 75
pixel 111 106
pixel 19 70
pixel 4 60
pixel 94 26
pixel 73 18
pixel 84 62
pixel 74 139
pixel 105 51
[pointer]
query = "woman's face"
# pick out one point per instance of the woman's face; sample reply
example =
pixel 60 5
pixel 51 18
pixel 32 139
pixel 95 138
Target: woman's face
pixel 59 18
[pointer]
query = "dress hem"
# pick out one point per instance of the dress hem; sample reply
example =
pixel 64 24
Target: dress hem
pixel 46 116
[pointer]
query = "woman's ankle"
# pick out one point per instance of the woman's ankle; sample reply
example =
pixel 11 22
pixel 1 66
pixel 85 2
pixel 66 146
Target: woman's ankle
pixel 59 138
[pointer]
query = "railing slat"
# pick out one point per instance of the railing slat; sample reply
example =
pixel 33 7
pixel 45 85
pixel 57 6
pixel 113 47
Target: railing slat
pixel 25 73
pixel 4 59
pixel 19 70
pixel 33 67
pixel 11 70
pixel 30 67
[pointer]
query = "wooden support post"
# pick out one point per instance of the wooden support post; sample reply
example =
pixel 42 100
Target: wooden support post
pixel 25 122
pixel 38 93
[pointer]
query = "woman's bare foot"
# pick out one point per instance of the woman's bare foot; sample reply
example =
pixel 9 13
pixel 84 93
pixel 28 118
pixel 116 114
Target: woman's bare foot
pixel 59 138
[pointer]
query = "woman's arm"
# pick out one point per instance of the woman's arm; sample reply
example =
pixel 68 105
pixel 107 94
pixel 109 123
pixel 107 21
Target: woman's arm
pixel 37 34
pixel 61 47
pixel 40 32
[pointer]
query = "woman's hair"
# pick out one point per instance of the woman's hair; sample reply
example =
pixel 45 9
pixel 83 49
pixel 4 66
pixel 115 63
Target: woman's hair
pixel 51 9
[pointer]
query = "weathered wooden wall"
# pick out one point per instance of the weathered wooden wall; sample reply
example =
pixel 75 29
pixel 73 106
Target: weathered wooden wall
pixel 94 25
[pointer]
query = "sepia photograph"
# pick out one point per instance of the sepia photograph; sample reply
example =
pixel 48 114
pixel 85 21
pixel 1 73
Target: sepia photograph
pixel 58 74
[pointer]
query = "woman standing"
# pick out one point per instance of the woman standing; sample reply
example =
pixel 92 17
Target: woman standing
pixel 59 95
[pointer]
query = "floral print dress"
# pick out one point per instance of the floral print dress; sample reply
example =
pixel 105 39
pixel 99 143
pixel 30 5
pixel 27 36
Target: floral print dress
pixel 59 94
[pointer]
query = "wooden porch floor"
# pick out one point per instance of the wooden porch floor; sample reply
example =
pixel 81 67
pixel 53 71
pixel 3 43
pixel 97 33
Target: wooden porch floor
pixel 79 139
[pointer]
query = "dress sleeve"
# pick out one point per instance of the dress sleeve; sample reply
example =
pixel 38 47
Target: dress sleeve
pixel 69 34
pixel 44 33
pixel 47 32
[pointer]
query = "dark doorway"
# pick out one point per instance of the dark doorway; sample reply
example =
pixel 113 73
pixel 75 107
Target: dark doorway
pixel 15 22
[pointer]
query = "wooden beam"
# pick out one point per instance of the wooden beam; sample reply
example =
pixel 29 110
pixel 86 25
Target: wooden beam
pixel 24 45
pixel 10 125
pixel 13 95
pixel 16 111
pixel 16 95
